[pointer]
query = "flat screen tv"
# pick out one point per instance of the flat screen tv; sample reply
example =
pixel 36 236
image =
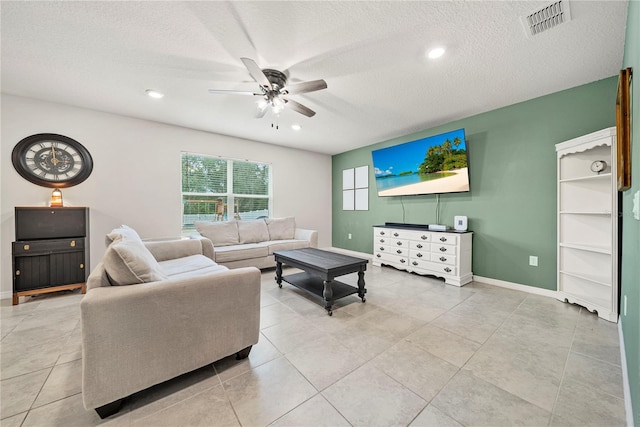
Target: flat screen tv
pixel 434 165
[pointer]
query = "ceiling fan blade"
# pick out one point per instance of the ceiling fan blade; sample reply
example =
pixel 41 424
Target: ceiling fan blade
pixel 305 87
pixel 233 92
pixel 256 72
pixel 296 106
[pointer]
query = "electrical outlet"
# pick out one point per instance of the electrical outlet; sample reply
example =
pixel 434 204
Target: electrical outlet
pixel 533 260
pixel 349 236
pixel 624 306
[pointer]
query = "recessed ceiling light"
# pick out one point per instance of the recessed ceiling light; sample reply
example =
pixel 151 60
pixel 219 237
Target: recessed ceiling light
pixel 296 127
pixel 154 93
pixel 436 53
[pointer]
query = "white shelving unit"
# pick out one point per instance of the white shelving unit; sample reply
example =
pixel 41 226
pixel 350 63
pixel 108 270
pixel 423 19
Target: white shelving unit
pixel 588 224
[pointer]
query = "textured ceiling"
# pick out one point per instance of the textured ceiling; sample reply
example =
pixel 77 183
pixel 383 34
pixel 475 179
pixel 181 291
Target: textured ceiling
pixel 103 55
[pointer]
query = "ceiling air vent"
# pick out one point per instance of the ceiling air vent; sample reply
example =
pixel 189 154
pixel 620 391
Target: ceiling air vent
pixel 546 18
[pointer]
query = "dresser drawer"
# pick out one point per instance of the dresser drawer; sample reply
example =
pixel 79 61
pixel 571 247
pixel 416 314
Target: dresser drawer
pixel 386 257
pixel 419 236
pixel 440 248
pixel 39 247
pixel 419 246
pixel 395 250
pixel 449 239
pixel 446 258
pixel 418 254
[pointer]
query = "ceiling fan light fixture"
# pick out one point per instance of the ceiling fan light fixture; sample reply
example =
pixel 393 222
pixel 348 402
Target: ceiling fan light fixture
pixel 154 94
pixel 436 53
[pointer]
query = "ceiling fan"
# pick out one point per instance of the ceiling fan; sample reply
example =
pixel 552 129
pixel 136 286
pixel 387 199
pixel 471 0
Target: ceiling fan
pixel 274 90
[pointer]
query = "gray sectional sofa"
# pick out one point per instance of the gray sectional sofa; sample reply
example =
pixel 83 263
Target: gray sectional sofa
pixel 156 310
pixel 242 243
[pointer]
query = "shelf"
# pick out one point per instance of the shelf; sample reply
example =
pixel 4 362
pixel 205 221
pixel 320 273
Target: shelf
pixel 592 279
pixel 590 248
pixel 588 177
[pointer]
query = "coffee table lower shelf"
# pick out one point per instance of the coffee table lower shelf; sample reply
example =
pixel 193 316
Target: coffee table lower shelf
pixel 315 285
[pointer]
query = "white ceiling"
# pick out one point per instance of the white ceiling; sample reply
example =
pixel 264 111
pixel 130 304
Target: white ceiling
pixel 103 55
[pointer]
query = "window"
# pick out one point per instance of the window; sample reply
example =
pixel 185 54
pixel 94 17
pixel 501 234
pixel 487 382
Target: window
pixel 216 189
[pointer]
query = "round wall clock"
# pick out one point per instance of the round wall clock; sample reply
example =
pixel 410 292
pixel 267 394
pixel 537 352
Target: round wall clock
pixel 52 160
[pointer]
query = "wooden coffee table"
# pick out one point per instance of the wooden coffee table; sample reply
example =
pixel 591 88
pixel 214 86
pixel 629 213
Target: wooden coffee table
pixel 320 269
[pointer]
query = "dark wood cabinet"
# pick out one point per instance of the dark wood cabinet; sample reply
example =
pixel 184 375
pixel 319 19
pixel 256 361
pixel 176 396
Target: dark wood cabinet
pixel 51 251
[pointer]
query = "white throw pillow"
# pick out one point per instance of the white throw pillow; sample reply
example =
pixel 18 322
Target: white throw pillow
pixel 223 233
pixel 123 232
pixel 129 262
pixel 281 228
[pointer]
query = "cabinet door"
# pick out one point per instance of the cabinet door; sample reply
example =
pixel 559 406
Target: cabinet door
pixel 67 268
pixel 31 272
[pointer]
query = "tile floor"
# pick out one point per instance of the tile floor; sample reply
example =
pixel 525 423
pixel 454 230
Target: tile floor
pixel 417 353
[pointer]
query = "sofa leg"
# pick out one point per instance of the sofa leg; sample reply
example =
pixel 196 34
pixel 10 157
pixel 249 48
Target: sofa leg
pixel 109 409
pixel 244 353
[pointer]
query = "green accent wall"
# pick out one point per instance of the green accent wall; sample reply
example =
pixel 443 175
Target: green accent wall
pixel 512 165
pixel 631 227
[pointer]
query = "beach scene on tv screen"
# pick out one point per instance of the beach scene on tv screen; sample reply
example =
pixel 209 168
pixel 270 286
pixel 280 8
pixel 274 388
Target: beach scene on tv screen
pixel 437 164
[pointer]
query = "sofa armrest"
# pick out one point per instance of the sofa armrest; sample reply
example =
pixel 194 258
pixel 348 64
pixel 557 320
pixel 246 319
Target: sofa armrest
pixel 137 336
pixel 172 249
pixel 207 245
pixel 310 235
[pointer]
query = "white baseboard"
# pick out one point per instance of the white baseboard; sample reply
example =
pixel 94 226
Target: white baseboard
pixel 515 286
pixel 6 295
pixel 628 405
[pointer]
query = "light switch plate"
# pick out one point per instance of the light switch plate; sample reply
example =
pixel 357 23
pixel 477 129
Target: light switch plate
pixel 636 205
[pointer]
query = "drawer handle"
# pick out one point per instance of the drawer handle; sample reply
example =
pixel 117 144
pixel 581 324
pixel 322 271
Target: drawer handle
pixel 448 270
pixel 419 246
pixel 382 233
pixel 72 244
pixel 414 263
pixel 379 256
pixel 402 261
pixel 443 249
pixel 419 255
pixel 399 251
pixel 443 259
pixel 443 239
pixel 25 247
pixel 399 243
pixel 17 272
pixel 396 234
pixel 423 237
pixel 81 266
pixel 381 240
pixel 381 248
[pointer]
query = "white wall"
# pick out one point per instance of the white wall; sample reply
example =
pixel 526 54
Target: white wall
pixel 136 174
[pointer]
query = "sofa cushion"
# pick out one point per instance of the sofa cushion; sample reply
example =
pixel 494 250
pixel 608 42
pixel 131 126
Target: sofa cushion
pixel 222 233
pixel 287 245
pixel 129 262
pixel 186 264
pixel 190 266
pixel 281 228
pixel 253 231
pixel 240 252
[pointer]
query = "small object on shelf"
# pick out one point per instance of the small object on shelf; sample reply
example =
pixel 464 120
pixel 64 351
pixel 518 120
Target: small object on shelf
pixel 56 198
pixel 598 166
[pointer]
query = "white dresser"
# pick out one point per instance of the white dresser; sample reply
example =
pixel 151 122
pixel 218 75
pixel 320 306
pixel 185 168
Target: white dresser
pixel 442 254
